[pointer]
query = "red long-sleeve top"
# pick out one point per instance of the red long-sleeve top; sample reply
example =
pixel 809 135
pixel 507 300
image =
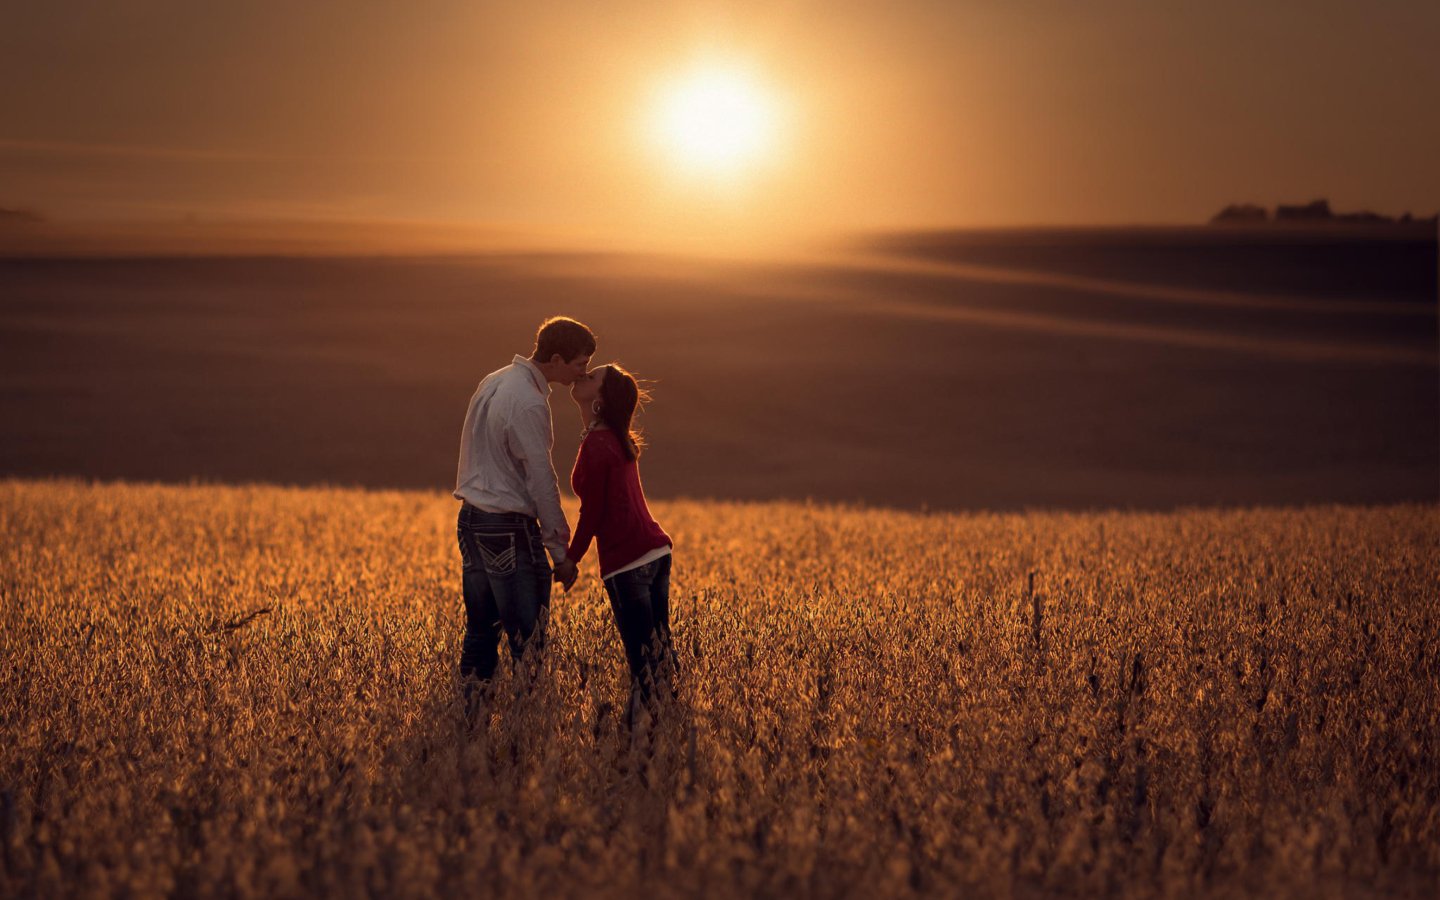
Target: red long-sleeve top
pixel 612 504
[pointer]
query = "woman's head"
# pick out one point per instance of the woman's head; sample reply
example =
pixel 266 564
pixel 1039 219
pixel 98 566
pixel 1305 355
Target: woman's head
pixel 611 395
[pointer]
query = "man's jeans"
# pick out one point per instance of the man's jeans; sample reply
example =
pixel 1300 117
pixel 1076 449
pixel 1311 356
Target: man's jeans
pixel 506 582
pixel 641 601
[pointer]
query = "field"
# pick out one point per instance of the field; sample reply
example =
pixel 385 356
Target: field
pixel 1147 368
pixel 248 692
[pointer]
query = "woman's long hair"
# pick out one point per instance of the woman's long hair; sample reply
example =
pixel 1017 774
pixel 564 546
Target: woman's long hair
pixel 620 394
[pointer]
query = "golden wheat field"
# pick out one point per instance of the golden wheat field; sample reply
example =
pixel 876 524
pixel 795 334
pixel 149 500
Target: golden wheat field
pixel 250 692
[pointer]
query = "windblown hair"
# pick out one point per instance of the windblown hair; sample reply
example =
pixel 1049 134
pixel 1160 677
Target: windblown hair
pixel 620 395
pixel 565 336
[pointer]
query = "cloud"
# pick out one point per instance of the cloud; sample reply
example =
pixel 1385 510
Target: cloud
pixel 181 154
pixel 68 148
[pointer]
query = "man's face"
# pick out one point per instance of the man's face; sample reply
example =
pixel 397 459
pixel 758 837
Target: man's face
pixel 571 370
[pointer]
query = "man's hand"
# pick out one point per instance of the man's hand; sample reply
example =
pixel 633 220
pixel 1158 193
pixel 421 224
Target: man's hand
pixel 566 573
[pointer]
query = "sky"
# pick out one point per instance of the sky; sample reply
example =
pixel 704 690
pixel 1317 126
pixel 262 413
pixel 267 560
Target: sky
pixel 883 113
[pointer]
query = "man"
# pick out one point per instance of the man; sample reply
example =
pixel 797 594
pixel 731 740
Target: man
pixel 510 514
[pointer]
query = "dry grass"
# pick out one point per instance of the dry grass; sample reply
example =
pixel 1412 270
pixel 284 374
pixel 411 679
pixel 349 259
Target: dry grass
pixel 874 704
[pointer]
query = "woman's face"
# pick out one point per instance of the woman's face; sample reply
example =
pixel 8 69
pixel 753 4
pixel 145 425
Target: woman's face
pixel 586 389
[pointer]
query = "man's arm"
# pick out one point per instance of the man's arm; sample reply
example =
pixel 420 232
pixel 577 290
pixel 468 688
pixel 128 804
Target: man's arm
pixel 531 438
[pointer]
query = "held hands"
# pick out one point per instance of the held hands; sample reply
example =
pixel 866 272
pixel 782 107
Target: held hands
pixel 566 573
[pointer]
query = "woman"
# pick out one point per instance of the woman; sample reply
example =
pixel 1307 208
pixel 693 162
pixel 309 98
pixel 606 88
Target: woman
pixel 634 550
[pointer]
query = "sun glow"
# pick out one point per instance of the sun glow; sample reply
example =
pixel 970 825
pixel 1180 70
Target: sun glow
pixel 716 121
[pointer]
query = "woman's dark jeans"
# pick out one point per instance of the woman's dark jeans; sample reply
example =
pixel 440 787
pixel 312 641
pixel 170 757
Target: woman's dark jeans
pixel 641 601
pixel 506 582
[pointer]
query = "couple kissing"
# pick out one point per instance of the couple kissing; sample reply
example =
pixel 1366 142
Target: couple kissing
pixel 510 515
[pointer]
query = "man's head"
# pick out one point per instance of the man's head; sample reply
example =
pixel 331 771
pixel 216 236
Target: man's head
pixel 563 348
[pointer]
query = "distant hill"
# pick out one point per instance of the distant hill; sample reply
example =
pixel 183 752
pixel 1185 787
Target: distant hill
pixel 1314 211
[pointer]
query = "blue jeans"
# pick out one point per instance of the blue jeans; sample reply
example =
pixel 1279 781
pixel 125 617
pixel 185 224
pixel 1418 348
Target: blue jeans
pixel 506 582
pixel 640 599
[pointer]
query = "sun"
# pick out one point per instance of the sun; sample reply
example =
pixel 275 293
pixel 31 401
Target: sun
pixel 717 121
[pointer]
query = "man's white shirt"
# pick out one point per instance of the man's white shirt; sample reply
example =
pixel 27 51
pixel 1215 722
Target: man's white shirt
pixel 505 452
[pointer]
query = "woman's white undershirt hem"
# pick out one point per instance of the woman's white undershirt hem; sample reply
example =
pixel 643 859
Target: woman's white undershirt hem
pixel 647 558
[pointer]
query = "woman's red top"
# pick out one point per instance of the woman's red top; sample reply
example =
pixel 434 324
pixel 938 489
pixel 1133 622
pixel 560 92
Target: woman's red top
pixel 612 504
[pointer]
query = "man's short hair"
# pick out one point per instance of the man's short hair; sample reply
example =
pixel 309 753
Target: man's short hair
pixel 565 336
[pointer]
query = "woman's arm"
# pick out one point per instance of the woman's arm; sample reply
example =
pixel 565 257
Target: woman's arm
pixel 591 484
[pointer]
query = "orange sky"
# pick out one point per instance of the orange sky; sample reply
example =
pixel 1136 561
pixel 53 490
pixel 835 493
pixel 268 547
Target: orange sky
pixel 899 113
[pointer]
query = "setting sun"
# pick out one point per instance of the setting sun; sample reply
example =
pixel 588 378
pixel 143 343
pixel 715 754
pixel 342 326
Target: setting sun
pixel 719 121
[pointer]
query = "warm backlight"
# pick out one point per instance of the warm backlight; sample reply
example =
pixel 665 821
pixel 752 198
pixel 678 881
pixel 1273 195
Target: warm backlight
pixel 718 121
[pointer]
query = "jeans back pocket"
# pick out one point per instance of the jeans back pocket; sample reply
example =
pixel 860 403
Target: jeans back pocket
pixel 496 550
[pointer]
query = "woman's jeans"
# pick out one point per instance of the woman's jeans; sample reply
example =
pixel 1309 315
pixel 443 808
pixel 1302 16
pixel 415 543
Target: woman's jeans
pixel 641 601
pixel 506 582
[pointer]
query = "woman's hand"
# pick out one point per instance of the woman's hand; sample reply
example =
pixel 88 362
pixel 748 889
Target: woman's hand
pixel 566 573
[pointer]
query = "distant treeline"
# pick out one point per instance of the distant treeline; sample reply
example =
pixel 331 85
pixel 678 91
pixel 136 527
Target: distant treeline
pixel 19 216
pixel 1314 211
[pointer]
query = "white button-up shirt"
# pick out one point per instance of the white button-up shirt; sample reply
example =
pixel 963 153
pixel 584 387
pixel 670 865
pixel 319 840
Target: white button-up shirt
pixel 505 452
